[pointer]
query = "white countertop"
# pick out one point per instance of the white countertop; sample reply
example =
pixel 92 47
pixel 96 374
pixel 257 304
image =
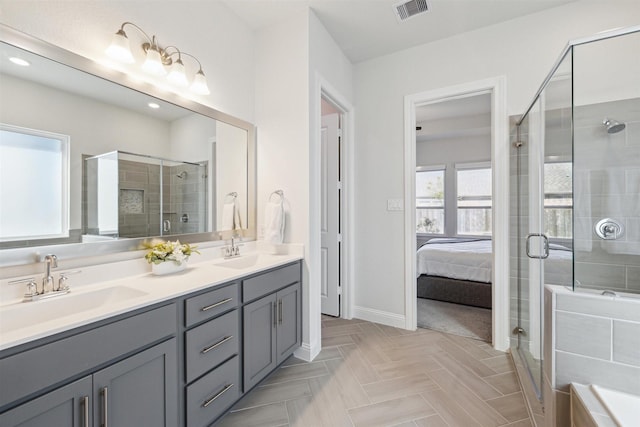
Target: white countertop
pixel 24 322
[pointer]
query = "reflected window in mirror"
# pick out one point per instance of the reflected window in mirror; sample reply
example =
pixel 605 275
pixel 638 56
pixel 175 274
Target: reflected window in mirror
pixel 34 184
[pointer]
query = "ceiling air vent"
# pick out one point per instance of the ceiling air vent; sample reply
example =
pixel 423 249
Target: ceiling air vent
pixel 409 9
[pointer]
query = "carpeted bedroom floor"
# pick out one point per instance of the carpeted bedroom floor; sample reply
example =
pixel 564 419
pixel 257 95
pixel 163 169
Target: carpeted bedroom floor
pixel 456 319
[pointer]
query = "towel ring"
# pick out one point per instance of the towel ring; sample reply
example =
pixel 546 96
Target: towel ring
pixel 233 195
pixel 278 193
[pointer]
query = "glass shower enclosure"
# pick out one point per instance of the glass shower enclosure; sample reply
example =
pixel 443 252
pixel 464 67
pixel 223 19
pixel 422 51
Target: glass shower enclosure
pixel 131 195
pixel 575 185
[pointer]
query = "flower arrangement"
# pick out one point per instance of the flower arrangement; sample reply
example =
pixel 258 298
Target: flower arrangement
pixel 169 251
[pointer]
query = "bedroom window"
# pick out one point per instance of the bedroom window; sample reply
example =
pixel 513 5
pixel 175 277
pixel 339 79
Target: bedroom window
pixel 473 194
pixel 430 201
pixel 558 200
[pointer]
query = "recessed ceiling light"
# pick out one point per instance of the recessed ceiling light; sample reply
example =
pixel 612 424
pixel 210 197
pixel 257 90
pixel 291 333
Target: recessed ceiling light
pixel 19 61
pixel 153 105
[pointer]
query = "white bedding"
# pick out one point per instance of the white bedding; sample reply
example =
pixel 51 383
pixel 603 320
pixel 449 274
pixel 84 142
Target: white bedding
pixel 471 260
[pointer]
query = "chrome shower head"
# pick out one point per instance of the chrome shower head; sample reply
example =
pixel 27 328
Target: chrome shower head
pixel 182 175
pixel 613 126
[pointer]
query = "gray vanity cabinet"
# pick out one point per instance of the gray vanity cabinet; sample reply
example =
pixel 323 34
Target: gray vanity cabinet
pixel 272 323
pixel 260 328
pixel 183 363
pixel 212 354
pixel 133 358
pixel 289 331
pixel 68 406
pixel 139 391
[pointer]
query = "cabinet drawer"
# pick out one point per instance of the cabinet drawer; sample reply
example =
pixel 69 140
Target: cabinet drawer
pixel 269 282
pixel 209 305
pixel 46 365
pixel 210 344
pixel 212 394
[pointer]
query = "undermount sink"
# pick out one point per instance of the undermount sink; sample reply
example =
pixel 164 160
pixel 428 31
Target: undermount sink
pixel 26 314
pixel 243 261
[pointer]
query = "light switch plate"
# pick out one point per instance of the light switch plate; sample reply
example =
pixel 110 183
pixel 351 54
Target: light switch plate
pixel 394 204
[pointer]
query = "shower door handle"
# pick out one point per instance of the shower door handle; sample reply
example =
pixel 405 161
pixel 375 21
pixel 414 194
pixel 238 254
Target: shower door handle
pixel 166 226
pixel 545 246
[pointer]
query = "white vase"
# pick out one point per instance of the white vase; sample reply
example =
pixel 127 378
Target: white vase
pixel 168 267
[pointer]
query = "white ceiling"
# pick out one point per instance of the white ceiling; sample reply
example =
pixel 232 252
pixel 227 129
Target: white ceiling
pixel 365 29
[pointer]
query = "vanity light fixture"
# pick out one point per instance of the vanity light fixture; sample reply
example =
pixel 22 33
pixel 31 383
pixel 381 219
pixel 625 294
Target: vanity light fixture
pixel 157 60
pixel 19 61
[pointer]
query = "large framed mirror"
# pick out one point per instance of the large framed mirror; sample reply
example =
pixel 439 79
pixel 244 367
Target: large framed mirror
pixel 93 162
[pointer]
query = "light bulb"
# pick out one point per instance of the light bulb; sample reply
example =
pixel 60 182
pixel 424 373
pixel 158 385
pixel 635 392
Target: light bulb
pixel 199 84
pixel 119 48
pixel 177 75
pixel 153 63
pixel 19 61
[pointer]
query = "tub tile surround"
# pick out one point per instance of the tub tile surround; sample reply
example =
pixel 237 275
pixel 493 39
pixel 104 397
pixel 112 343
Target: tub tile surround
pixel 589 339
pixel 135 273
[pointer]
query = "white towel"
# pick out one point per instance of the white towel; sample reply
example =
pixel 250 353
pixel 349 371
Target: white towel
pixel 274 222
pixel 228 216
pixel 237 221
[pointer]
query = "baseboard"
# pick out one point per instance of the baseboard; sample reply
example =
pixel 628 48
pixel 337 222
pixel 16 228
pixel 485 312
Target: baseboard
pixel 307 352
pixel 378 316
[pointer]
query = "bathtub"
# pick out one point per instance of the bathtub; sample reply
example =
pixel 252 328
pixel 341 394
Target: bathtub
pixel 596 406
pixel 623 408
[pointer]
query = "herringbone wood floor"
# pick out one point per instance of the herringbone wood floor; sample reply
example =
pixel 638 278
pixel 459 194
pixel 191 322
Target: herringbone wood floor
pixel 374 375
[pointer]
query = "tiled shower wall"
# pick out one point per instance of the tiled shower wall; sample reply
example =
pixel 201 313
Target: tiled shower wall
pixel 589 339
pixel 184 198
pixel 607 185
pixel 144 179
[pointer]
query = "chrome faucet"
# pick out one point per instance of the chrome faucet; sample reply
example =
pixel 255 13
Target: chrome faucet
pixel 49 287
pixel 50 261
pixel 232 250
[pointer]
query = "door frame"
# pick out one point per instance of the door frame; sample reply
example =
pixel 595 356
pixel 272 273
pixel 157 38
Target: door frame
pixel 500 187
pixel 322 88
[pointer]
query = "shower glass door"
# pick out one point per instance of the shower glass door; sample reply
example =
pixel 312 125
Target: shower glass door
pixel 543 213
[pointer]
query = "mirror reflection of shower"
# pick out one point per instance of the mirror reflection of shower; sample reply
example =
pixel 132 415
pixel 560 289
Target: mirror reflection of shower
pixel 132 195
pixel 613 126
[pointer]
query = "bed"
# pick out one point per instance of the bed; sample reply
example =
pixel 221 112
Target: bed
pixel 459 270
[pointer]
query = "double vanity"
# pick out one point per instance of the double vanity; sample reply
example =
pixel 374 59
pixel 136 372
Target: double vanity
pixel 145 350
pixel 119 346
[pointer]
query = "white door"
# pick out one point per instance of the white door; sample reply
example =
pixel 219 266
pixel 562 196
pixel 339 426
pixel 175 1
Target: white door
pixel 330 216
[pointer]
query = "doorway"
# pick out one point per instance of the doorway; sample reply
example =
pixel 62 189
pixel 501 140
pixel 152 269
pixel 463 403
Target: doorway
pixel 500 199
pixel 453 215
pixel 331 208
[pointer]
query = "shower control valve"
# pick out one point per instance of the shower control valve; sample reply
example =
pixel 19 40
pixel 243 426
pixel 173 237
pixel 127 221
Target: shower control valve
pixel 609 229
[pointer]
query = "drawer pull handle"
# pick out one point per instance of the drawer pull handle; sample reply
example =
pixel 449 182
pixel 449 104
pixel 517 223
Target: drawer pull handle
pixel 85 411
pixel 280 312
pixel 217 395
pixel 212 346
pixel 219 303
